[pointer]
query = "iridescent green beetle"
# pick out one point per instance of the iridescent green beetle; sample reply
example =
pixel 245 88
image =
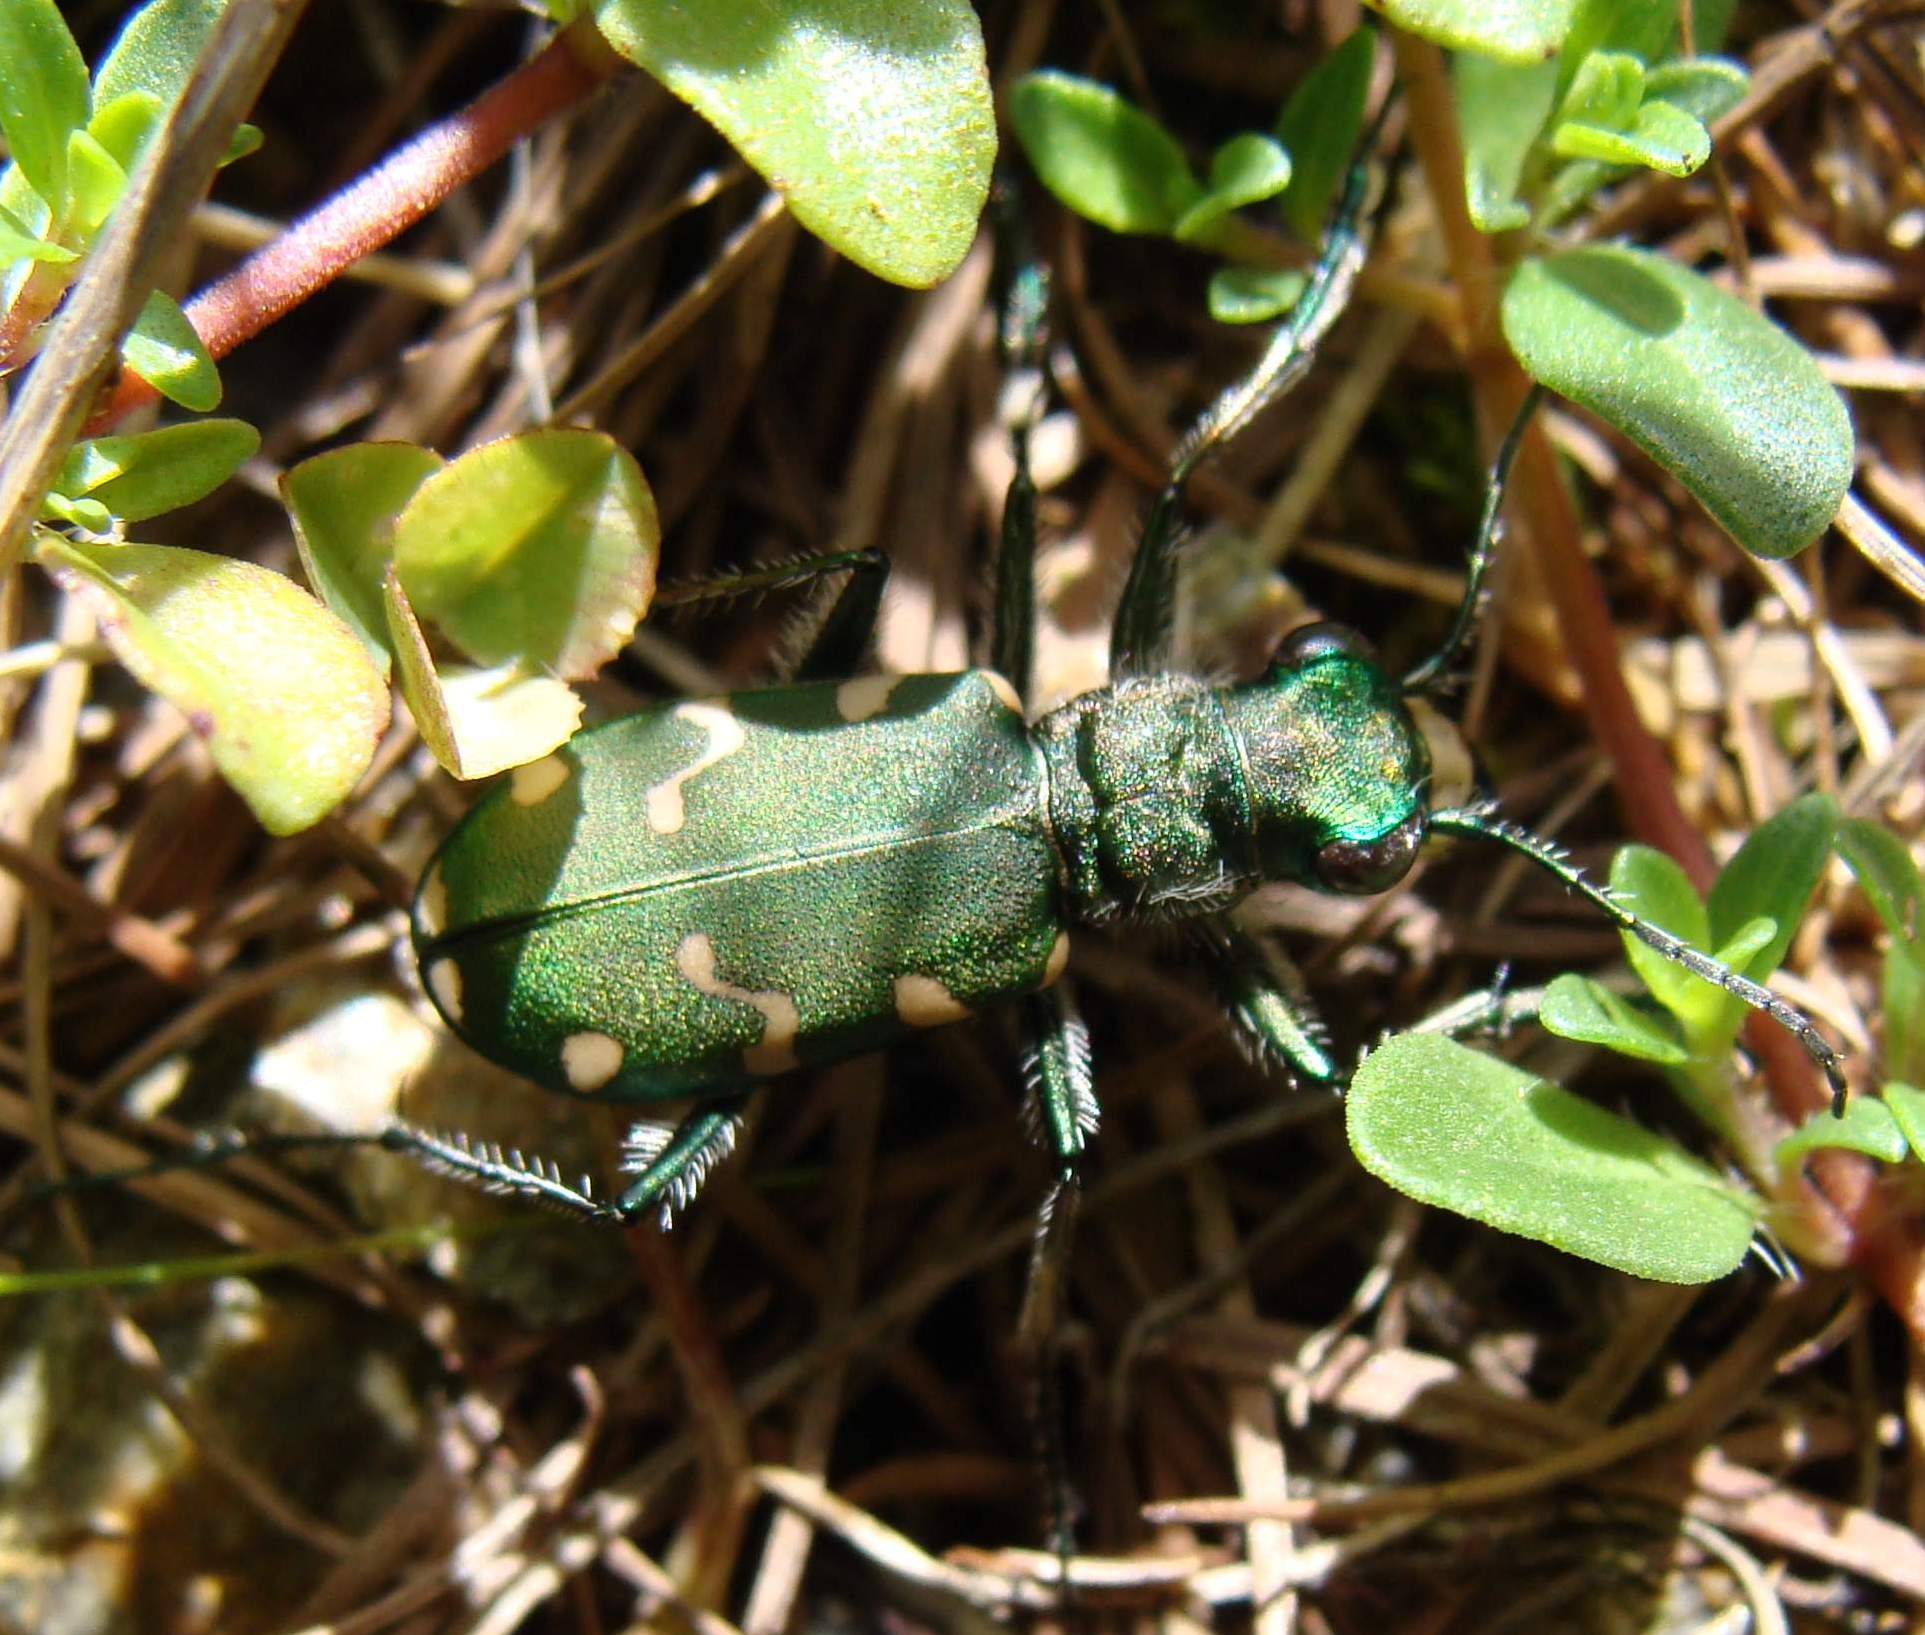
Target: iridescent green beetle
pixel 700 898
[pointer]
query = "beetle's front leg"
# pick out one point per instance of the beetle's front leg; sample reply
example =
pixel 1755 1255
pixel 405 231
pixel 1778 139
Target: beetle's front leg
pixel 671 1161
pixel 1265 1001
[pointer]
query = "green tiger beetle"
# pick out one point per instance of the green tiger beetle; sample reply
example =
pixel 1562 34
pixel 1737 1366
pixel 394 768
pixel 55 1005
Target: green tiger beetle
pixel 694 900
pixel 689 902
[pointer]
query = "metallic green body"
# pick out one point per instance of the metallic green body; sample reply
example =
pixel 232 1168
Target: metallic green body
pixel 709 893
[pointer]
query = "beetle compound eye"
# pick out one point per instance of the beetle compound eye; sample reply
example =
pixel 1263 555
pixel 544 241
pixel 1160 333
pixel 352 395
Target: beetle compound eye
pixel 1365 867
pixel 1308 643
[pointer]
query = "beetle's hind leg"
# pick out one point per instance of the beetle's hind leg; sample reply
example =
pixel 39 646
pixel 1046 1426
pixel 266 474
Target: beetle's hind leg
pixel 671 1161
pixel 1266 1002
pixel 1062 1106
pixel 839 640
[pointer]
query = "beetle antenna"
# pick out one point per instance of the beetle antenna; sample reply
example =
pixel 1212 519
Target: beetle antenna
pixel 1485 824
pixel 1429 675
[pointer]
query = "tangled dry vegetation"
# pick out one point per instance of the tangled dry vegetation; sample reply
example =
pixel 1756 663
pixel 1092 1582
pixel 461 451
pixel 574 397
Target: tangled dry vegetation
pixel 1290 1400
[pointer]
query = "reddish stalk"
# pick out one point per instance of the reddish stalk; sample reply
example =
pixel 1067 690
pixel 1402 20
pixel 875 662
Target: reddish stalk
pixel 383 203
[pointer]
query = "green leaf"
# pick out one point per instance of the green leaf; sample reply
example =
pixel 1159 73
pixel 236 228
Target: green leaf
pixel 1606 90
pixel 1575 1007
pixel 17 245
pixel 1481 1138
pixel 343 505
pixel 124 126
pixel 82 513
pixel 1246 170
pixel 871 117
pixel 44 96
pixel 537 550
pixel 1706 88
pixel 150 473
pixel 1510 30
pixel 1722 398
pixel 1319 127
pixel 1660 137
pixel 95 183
pixel 156 51
pixel 1867 1126
pixel 1502 107
pixel 1254 295
pixel 1889 879
pixel 1644 29
pixel 276 686
pixel 1907 1106
pixel 1903 991
pixel 164 351
pixel 1101 154
pixel 1772 876
pixel 1652 886
pixel 475 722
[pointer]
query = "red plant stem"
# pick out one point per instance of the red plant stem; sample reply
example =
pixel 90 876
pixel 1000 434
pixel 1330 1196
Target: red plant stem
pixel 384 203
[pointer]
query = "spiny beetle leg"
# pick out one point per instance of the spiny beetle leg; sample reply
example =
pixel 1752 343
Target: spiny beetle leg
pixel 672 1161
pixel 1266 1003
pixel 839 641
pixel 1146 616
pixel 494 1169
pixel 1057 1074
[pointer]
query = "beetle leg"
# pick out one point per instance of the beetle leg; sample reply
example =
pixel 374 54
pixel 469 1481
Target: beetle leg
pixel 494 1169
pixel 1146 616
pixel 839 637
pixel 1056 1068
pixel 1266 1003
pixel 1057 1074
pixel 1025 336
pixel 672 1161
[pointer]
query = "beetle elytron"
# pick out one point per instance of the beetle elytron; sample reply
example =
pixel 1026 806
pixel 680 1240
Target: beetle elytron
pixel 698 898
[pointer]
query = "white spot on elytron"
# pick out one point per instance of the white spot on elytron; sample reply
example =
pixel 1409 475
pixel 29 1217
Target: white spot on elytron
pixel 923 1002
pixel 444 982
pixel 863 697
pixel 532 784
pixel 774 1052
pixel 590 1060
pixel 666 809
pixel 431 905
pixel 1006 695
pixel 1058 958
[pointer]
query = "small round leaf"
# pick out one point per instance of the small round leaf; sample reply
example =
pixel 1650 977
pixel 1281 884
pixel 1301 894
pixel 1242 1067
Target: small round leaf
pixel 536 550
pixel 1101 154
pixel 276 685
pixel 150 473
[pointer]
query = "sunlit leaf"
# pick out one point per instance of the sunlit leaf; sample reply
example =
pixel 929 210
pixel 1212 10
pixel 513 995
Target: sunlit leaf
pixel 476 722
pixel 1718 395
pixel 871 117
pixel 164 351
pixel 343 505
pixel 44 95
pixel 1866 1126
pixel 277 687
pixel 537 550
pixel 1513 30
pixel 1481 1138
pixel 149 473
